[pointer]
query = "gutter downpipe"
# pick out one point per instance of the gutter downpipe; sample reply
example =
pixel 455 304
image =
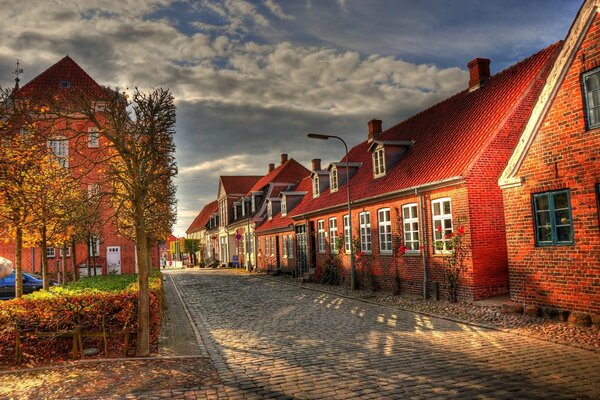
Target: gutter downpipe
pixel 425 248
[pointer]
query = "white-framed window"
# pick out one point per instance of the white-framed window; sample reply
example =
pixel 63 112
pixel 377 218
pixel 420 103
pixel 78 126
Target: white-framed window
pixel 284 246
pixel 50 252
pixel 410 223
pixel 93 137
pixel 333 233
pixel 385 230
pixel 441 210
pixel 270 210
pixel 347 236
pixel 315 184
pixel 379 162
pixel 272 240
pixel 60 149
pixel 94 249
pixel 333 179
pixel 364 219
pixel 290 242
pixel 321 235
pixel 68 252
pixel 283 206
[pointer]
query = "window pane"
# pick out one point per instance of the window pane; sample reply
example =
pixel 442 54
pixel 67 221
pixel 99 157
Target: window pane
pixel 544 218
pixel 414 211
pixel 406 213
pixel 436 209
pixel 592 81
pixel 564 233
pixel 545 234
pixel 562 217
pixel 415 226
pixel 406 227
pixel 416 236
pixel 541 203
pixel 447 224
pixel 561 201
pixel 446 207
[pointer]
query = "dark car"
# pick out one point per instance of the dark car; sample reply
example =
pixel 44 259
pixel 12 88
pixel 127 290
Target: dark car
pixel 31 283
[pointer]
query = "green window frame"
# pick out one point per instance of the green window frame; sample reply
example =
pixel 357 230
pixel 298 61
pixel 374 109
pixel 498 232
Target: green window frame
pixel 591 95
pixel 553 218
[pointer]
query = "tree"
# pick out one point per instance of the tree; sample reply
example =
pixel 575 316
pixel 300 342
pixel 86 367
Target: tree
pixel 191 246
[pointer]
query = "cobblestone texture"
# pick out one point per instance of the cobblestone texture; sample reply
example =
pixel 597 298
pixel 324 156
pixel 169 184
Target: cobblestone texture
pixel 269 340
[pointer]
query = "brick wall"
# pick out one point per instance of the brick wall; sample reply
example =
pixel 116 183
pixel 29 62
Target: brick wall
pixel 564 155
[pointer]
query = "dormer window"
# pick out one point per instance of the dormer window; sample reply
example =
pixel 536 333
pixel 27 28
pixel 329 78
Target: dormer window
pixel 333 179
pixel 243 206
pixel 235 211
pixel 253 203
pixel 270 210
pixel 379 162
pixel 315 183
pixel 283 206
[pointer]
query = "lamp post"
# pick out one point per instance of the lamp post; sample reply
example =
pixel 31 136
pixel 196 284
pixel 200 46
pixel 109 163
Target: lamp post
pixel 327 137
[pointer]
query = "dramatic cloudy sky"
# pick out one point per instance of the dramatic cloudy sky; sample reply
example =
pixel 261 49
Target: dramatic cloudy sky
pixel 251 78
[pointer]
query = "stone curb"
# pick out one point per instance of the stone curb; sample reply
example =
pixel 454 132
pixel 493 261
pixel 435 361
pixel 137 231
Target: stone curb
pixel 447 318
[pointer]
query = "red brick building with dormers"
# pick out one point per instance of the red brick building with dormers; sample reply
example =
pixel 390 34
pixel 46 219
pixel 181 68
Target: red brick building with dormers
pixel 113 253
pixel 551 185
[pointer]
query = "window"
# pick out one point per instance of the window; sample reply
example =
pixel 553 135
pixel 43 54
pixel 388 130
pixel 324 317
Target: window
pixel 333 179
pixel 270 210
pixel 410 222
pixel 64 84
pixel 60 149
pixel 253 203
pixel 321 235
pixel 315 183
pixel 347 236
pixel 290 246
pixel 50 252
pixel 379 162
pixel 442 223
pixel 333 233
pixel 272 240
pixel 93 137
pixel 385 231
pixel 553 222
pixel 68 252
pixel 365 231
pixel 283 206
pixel 284 246
pixel 591 87
pixel 94 249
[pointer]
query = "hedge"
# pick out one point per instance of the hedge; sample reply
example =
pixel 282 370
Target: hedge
pixel 92 305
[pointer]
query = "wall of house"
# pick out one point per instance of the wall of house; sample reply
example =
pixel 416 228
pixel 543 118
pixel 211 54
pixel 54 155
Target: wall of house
pixel 564 155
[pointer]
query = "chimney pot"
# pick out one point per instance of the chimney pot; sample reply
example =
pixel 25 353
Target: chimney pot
pixel 374 128
pixel 271 167
pixel 479 72
pixel 284 158
pixel 316 164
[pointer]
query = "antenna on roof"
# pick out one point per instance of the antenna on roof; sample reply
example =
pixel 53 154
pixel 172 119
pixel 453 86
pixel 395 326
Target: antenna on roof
pixel 17 72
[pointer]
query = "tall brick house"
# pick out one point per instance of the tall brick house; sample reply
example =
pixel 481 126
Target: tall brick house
pixel 418 181
pixel 551 184
pixel 110 252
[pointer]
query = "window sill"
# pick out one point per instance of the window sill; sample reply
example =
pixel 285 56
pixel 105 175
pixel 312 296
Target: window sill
pixel 412 254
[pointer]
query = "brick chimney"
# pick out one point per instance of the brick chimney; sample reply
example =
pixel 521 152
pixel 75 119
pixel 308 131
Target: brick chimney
pixel 284 158
pixel 374 129
pixel 479 72
pixel 316 164
pixel 271 167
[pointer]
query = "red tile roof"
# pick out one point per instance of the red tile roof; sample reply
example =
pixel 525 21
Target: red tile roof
pixel 278 221
pixel 448 137
pixel 238 184
pixel 202 217
pixel 289 172
pixel 64 70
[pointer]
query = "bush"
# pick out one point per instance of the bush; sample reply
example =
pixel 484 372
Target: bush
pixel 95 304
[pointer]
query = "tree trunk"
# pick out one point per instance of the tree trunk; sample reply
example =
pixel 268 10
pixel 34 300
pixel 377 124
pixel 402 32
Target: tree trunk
pixel 89 257
pixel 74 260
pixel 143 311
pixel 19 263
pixel 44 260
pixel 149 250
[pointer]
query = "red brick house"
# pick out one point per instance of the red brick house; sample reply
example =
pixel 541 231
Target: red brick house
pixel 435 170
pixel 110 252
pixel 551 184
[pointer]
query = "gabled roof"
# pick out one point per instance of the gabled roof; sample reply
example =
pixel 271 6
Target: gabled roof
pixel 238 184
pixel 64 70
pixel 279 222
pixel 202 217
pixel 448 137
pixel 289 172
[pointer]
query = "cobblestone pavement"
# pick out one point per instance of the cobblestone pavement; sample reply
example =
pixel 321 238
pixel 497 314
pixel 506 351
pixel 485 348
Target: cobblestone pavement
pixel 271 340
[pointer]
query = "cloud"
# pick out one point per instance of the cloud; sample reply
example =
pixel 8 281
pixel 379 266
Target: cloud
pixel 278 11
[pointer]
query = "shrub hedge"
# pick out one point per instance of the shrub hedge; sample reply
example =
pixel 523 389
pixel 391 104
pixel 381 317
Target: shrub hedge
pixel 97 304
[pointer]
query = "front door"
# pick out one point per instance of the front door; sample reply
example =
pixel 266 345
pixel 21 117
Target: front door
pixel 113 259
pixel 301 249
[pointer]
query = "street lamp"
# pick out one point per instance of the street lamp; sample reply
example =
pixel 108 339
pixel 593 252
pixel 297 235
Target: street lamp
pixel 327 137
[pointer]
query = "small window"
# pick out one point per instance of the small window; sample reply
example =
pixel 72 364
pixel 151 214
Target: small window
pixel 64 84
pixel 347 236
pixel 385 231
pixel 365 231
pixel 333 178
pixel 290 246
pixel 93 137
pixel 315 183
pixel 50 252
pixel 60 148
pixel 68 252
pixel 591 87
pixel 272 240
pixel 553 222
pixel 333 233
pixel 321 235
pixel 379 162
pixel 442 223
pixel 410 223
pixel 284 246
pixel 283 206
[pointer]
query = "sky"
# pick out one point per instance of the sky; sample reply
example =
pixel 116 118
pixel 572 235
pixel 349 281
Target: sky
pixel 252 78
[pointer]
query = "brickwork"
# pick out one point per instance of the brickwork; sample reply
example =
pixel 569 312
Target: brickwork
pixel 563 155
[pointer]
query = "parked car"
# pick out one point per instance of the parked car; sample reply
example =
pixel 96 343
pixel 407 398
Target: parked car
pixel 31 283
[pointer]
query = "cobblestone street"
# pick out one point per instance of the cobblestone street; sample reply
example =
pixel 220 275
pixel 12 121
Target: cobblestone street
pixel 268 339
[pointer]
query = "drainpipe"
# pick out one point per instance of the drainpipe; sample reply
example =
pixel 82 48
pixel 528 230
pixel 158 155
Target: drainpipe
pixel 425 247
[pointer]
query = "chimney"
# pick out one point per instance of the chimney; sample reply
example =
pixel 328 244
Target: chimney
pixel 374 128
pixel 271 167
pixel 283 158
pixel 316 164
pixel 479 72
